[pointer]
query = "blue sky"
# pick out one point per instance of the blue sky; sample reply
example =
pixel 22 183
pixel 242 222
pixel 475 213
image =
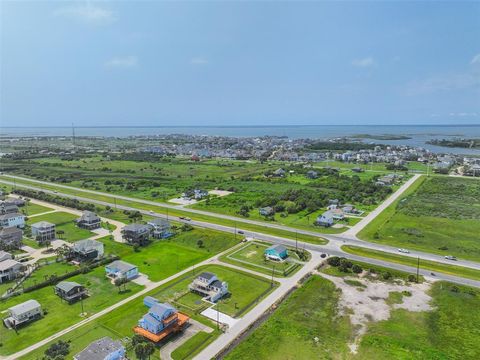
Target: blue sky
pixel 239 63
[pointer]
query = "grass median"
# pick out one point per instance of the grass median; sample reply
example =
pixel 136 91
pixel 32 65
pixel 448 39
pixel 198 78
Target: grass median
pixel 454 270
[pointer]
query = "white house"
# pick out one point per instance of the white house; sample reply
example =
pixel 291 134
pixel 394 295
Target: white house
pixel 12 219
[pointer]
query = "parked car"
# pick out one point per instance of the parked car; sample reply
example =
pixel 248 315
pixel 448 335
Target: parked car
pixel 405 251
pixel 450 257
pixel 240 232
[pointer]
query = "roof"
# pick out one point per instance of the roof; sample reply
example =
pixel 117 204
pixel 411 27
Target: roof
pixel 99 349
pixel 67 285
pixel 206 275
pixel 136 227
pixel 4 253
pixel 121 266
pixel 89 216
pixel 159 222
pixel 11 215
pixel 42 224
pixel 217 283
pixel 277 248
pixel 10 230
pixel 86 245
pixel 327 215
pixel 7 264
pixel 160 309
pixel 24 307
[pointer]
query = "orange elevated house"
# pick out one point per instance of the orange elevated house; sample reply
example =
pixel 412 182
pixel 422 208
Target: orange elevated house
pixel 161 320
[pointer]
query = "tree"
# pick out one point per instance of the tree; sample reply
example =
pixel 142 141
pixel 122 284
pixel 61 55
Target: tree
pixel 119 282
pixel 200 243
pixel 412 278
pixel 386 275
pixel 58 350
pixel 144 350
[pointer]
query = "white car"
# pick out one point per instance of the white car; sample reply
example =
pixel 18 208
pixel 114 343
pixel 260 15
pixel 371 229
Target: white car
pixel 405 251
pixel 450 257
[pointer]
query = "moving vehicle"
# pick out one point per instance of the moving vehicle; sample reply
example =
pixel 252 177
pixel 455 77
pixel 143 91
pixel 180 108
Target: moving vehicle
pixel 405 251
pixel 450 257
pixel 241 232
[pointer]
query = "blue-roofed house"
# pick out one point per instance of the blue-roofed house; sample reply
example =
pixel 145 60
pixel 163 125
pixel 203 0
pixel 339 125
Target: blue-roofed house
pixel 159 317
pixel 276 252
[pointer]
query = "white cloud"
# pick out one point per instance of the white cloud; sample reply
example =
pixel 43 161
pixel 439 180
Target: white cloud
pixel 443 83
pixel 475 60
pixel 364 62
pixel 88 13
pixel 122 62
pixel 198 61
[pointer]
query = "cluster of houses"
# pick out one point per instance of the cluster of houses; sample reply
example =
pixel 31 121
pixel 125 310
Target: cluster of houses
pixel 140 233
pixel 336 212
pixel 195 194
pixel 11 224
pixel 389 179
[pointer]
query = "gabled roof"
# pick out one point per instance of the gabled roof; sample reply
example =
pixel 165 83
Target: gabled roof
pixel 8 264
pixel 87 245
pixel 159 310
pixel 10 230
pixel 136 227
pixel 159 222
pixel 217 283
pixel 11 215
pixel 88 216
pixel 206 275
pixel 67 285
pixel 24 307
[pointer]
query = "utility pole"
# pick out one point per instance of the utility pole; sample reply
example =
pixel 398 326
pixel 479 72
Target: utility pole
pixel 273 271
pixel 81 303
pixel 235 231
pixel 296 241
pixel 418 267
pixel 218 315
pixel 115 202
pixel 167 213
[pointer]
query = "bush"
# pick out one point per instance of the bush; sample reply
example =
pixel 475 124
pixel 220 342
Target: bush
pixel 412 278
pixel 357 269
pixel 345 262
pixel 387 275
pixel 333 261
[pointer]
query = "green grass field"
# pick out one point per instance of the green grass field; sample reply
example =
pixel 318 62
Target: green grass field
pixel 449 331
pixel 64 222
pixel 34 209
pixel 117 215
pixel 118 323
pixel 60 314
pixel 438 214
pixel 410 261
pixel 251 256
pixel 193 345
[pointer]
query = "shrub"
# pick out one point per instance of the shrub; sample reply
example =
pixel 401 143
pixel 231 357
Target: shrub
pixel 333 261
pixel 412 278
pixel 357 269
pixel 387 275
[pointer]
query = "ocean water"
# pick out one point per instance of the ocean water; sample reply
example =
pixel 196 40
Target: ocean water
pixel 419 133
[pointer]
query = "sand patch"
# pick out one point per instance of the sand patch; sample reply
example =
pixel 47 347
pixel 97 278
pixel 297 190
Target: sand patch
pixel 369 302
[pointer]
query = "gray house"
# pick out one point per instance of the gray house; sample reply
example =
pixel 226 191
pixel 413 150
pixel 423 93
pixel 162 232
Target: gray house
pixel 12 220
pixel 326 219
pixel 7 207
pixel 89 220
pixel 23 313
pixel 161 228
pixel 266 211
pixel 5 256
pixel 10 238
pixel 70 291
pixel 88 249
pixel 312 174
pixel 102 349
pixel 136 233
pixel 43 231
pixel 10 270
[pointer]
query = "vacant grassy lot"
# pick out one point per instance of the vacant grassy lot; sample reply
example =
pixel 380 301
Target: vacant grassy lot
pixel 64 222
pixel 193 345
pixel 411 261
pixel 118 323
pixel 33 209
pixel 163 258
pixel 60 314
pixel 438 214
pixel 252 256
pixel 310 312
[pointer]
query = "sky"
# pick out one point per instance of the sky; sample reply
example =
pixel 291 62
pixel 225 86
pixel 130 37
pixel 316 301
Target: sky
pixel 128 63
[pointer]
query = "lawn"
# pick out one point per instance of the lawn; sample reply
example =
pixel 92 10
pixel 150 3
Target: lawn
pixel 310 312
pixel 251 256
pixel 163 258
pixel 59 314
pixel 64 222
pixel 411 261
pixel 438 214
pixel 32 209
pixel 193 345
pixel 118 323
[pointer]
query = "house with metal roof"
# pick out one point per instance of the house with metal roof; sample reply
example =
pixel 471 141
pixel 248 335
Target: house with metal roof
pixel 136 233
pixel 102 349
pixel 70 291
pixel 161 228
pixel 161 320
pixel 85 250
pixel 11 238
pixel 5 255
pixel 276 252
pixel 7 207
pixel 326 219
pixel 121 270
pixel 10 270
pixel 89 220
pixel 12 220
pixel 23 313
pixel 43 231
pixel 209 286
